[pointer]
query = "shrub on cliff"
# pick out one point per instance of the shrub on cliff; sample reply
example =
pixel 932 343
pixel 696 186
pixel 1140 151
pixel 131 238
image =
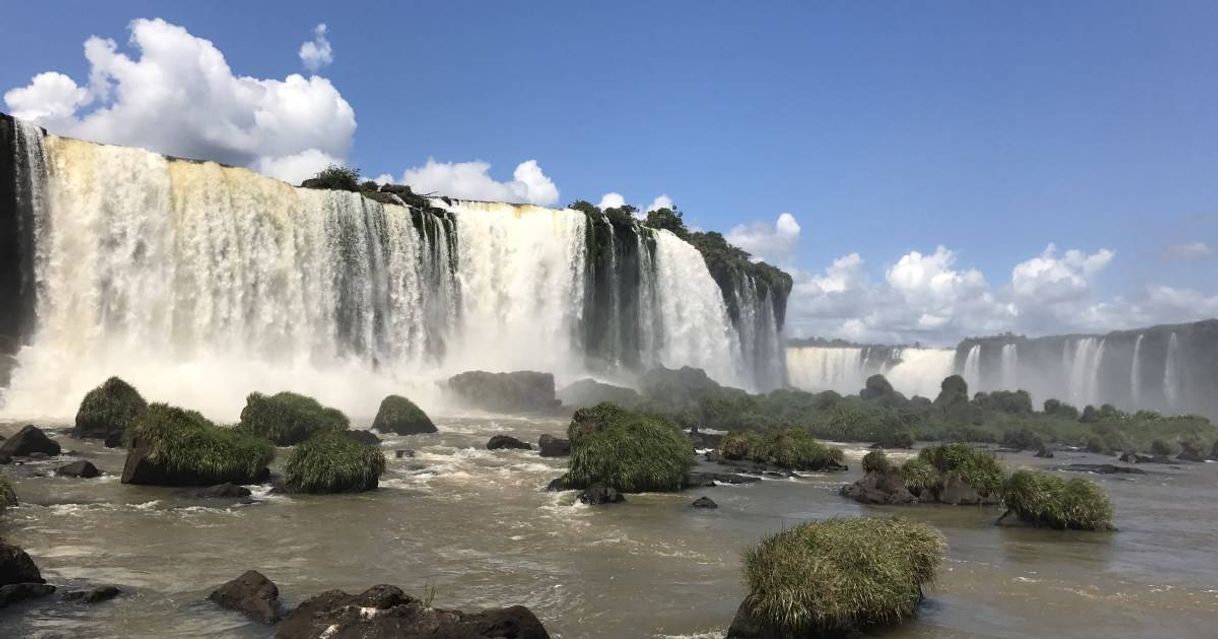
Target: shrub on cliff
pixel 401 416
pixel 1042 499
pixel 175 447
pixel 334 177
pixel 108 410
pixel 332 462
pixel 836 577
pixel 627 450
pixel 286 419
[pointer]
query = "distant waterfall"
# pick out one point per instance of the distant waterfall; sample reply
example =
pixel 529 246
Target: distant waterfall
pixel 1086 354
pixel 1171 373
pixel 972 367
pixel 1135 372
pixel 200 283
pixel 1010 366
pixel 845 369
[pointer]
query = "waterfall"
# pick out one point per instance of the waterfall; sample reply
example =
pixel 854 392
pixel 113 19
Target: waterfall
pixel 1171 373
pixel 845 369
pixel 200 283
pixel 920 371
pixel 1135 372
pixel 818 368
pixel 1010 366
pixel 972 367
pixel 1083 370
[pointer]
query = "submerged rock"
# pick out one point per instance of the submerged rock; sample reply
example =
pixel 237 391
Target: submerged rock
pixel 552 446
pixel 83 469
pixel 504 441
pixel 251 594
pixel 14 593
pixel 599 493
pixel 403 453
pixel 704 502
pixel 92 595
pixel 27 441
pixel 385 612
pixel 708 480
pixel 228 490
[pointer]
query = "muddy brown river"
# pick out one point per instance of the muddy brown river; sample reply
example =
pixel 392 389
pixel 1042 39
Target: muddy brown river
pixel 476 526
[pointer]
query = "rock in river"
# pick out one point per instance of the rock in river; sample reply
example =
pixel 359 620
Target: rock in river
pixel 552 446
pixel 503 441
pixel 27 441
pixel 252 594
pixel 83 469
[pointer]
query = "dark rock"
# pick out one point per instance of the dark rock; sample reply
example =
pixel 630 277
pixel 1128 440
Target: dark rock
pixel 879 488
pixel 5 458
pixel 252 594
pixel 222 491
pixel 92 595
pixel 37 456
pixel 1103 469
pixel 515 392
pixel 402 453
pixel 386 612
pixel 113 440
pixel 83 469
pixel 598 494
pixel 704 502
pixel 705 440
pixel 140 469
pixel 16 567
pixel 713 456
pixel 14 593
pixel 1137 458
pixel 589 392
pixel 557 485
pixel 552 446
pixel 364 437
pixel 957 492
pixel 1190 456
pixel 27 441
pixel 1044 452
pixel 744 626
pixel 401 416
pixel 707 480
pixel 503 441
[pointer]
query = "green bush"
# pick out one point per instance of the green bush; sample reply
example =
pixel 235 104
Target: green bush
pixel 977 468
pixel 108 410
pixel 630 451
pixel 897 438
pixel 332 462
pixel 193 451
pixel 8 497
pixel 796 449
pixel 286 419
pixel 918 476
pixel 1161 448
pixel 1022 439
pixel 876 461
pixel 334 177
pixel 841 575
pixel 401 416
pixel 1042 499
pixel 738 445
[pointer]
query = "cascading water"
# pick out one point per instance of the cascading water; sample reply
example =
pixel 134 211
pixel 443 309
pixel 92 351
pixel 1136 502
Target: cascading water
pixel 1082 367
pixel 816 368
pixel 972 367
pixel 200 283
pixel 1135 372
pixel 845 369
pixel 1010 366
pixel 1171 373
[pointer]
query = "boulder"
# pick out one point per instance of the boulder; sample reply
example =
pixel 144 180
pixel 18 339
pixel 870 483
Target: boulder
pixel 385 611
pixel 957 492
pixel 14 593
pixel 557 485
pixel 222 491
pixel 1138 458
pixel 552 446
pixel 598 494
pixel 401 416
pixel 705 440
pixel 113 440
pixel 589 392
pixel 16 567
pixel 515 392
pixel 92 595
pixel 27 441
pixel 503 441
pixel 704 502
pixel 1044 452
pixel 744 626
pixel 83 469
pixel 253 595
pixel 402 453
pixel 879 488
pixel 364 437
pixel 140 469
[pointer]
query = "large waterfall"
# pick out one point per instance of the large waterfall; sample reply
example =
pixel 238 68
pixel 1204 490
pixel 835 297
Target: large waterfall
pixel 200 283
pixel 845 369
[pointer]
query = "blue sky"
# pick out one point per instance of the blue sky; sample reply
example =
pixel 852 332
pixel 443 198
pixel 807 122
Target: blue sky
pixel 884 128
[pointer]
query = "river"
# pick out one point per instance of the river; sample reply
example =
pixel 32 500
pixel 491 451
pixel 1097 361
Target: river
pixel 476 526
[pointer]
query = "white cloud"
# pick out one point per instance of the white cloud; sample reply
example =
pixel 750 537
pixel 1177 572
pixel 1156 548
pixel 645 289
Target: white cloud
pixel 1188 251
pixel 611 200
pixel 317 52
pixel 775 242
pixel 178 96
pixel 296 167
pixel 472 181
pixel 662 201
pixel 1048 278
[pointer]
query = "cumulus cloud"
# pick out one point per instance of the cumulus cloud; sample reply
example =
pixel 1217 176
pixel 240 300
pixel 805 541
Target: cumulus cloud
pixel 662 201
pixel 1050 278
pixel 611 200
pixel 472 181
pixel 297 167
pixel 1188 251
pixel 175 94
pixel 317 53
pixel 776 242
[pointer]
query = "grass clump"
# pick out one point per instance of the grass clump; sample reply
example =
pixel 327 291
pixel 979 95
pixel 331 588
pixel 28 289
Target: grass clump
pixel 332 462
pixel 627 450
pixel 401 416
pixel 976 468
pixel 334 177
pixel 8 496
pixel 919 476
pixel 108 410
pixel 287 419
pixel 840 575
pixel 791 448
pixel 876 461
pixel 1046 500
pixel 188 450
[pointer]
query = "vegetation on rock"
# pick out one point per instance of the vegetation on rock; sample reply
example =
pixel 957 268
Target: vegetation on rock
pixel 839 576
pixel 790 448
pixel 187 449
pixel 286 419
pixel 108 410
pixel 627 450
pixel 400 415
pixel 331 462
pixel 8 497
pixel 876 461
pixel 334 177
pixel 1046 500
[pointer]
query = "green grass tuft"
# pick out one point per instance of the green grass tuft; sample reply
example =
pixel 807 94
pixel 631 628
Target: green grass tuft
pixel 8 496
pixel 110 408
pixel 332 462
pixel 977 468
pixel 1043 499
pixel 918 476
pixel 840 575
pixel 876 461
pixel 792 448
pixel 185 444
pixel 630 451
pixel 286 419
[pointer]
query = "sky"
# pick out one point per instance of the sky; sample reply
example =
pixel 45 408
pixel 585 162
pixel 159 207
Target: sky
pixel 925 171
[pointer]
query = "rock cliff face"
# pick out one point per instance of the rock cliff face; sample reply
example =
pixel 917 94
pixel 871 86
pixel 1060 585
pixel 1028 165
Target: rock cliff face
pixel 21 168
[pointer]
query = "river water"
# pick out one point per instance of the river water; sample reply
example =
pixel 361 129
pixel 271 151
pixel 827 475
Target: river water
pixel 477 526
